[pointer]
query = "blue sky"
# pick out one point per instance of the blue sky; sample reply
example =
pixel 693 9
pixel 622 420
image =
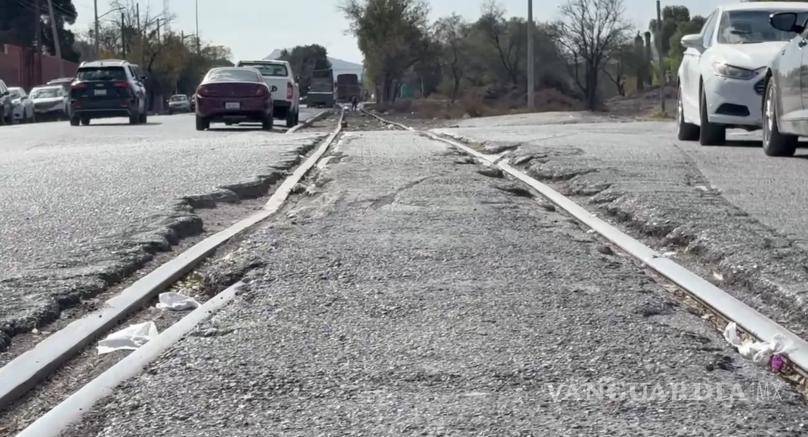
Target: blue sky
pixel 253 28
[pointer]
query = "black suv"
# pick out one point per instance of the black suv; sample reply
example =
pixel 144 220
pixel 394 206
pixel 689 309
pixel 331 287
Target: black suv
pixel 110 88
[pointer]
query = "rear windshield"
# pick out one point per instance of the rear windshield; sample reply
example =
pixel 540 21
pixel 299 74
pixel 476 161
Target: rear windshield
pixel 232 75
pixel 101 73
pixel 46 93
pixel 276 70
pixel 179 98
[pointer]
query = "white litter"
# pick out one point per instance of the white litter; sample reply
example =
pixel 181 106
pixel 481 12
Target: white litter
pixel 760 352
pixel 176 302
pixel 129 338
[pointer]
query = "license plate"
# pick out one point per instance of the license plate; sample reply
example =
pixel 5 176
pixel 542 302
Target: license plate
pixel 100 92
pixel 232 105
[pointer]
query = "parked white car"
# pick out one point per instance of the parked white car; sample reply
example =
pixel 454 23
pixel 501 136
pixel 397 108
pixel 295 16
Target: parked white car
pixel 50 101
pixel 723 73
pixel 179 103
pixel 285 90
pixel 23 108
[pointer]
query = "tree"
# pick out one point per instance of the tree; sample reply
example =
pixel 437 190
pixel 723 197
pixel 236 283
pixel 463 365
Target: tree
pixel 507 37
pixel 305 60
pixel 450 34
pixel 18 20
pixel 392 35
pixel 590 32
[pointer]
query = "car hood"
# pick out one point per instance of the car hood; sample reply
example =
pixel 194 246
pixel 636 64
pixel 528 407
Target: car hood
pixel 49 100
pixel 749 56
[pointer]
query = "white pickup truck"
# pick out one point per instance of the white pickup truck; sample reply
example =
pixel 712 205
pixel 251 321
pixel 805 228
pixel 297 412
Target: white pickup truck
pixel 285 90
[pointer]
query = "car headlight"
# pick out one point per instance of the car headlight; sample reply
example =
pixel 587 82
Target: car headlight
pixel 733 72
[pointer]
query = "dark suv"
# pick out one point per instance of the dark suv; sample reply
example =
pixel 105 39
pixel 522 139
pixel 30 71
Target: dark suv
pixel 110 88
pixel 5 104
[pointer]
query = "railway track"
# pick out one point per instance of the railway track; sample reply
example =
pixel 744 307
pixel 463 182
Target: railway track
pixel 30 368
pixel 719 304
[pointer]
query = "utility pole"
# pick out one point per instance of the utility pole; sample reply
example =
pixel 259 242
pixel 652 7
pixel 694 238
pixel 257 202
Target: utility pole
pixel 531 63
pixel 658 40
pixel 123 34
pixel 198 45
pixel 57 46
pixel 95 10
pixel 37 27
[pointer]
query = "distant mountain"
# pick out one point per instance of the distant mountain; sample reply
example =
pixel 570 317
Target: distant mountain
pixel 338 65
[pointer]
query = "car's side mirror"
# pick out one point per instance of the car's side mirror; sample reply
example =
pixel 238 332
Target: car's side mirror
pixel 787 22
pixel 693 41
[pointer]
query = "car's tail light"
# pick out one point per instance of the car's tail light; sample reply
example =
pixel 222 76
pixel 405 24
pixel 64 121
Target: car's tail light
pixel 203 91
pixel 290 91
pixel 261 91
pixel 78 87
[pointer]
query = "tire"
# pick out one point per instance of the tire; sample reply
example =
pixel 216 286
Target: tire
pixel 774 142
pixel 75 121
pixel 202 123
pixel 268 123
pixel 709 134
pixel 144 118
pixel 85 121
pixel 134 119
pixel 685 131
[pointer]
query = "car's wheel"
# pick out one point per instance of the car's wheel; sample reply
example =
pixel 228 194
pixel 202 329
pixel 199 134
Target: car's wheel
pixel 291 119
pixel 710 134
pixel 774 142
pixel 269 123
pixel 228 123
pixel 685 131
pixel 85 121
pixel 75 121
pixel 144 117
pixel 170 112
pixel 202 123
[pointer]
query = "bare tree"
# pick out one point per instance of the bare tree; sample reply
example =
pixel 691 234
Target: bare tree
pixel 450 32
pixel 503 35
pixel 590 32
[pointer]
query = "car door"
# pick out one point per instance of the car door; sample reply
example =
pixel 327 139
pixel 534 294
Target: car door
pixel 691 66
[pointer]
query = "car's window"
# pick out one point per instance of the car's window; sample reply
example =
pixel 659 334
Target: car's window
pixel 750 27
pixel 46 93
pixel 707 31
pixel 16 93
pixel 275 70
pixel 101 73
pixel 180 98
pixel 233 75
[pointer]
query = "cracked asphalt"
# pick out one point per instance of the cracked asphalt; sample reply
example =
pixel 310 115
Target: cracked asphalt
pixel 410 294
pixel 83 207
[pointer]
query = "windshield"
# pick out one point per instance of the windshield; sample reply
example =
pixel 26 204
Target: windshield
pixel 102 73
pixel 180 98
pixel 232 75
pixel 750 27
pixel 16 93
pixel 277 70
pixel 45 93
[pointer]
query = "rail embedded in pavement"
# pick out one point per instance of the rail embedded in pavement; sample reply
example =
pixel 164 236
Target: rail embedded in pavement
pixel 716 299
pixel 25 371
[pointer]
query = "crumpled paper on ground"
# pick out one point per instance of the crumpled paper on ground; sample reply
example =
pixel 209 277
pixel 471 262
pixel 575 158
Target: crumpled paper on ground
pixel 176 302
pixel 760 352
pixel 129 338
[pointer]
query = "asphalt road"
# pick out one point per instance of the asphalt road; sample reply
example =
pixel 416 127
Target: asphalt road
pixel 412 295
pixel 730 212
pixel 82 206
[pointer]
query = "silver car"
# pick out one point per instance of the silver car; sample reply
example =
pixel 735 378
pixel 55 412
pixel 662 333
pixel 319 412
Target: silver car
pixel 179 103
pixel 50 101
pixel 23 108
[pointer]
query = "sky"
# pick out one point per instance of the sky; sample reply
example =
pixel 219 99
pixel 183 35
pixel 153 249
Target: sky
pixel 253 28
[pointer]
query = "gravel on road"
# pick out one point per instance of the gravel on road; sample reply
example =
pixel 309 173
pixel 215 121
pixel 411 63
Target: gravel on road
pixel 408 294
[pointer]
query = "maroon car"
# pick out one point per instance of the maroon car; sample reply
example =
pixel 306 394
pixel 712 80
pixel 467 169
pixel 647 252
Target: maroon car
pixel 233 95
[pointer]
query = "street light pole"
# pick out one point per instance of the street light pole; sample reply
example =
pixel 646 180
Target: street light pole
pixel 95 10
pixel 531 63
pixel 57 46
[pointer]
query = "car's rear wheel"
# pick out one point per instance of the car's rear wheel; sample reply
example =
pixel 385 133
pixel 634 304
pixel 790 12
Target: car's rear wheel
pixel 774 142
pixel 291 119
pixel 144 117
pixel 685 131
pixel 75 121
pixel 85 121
pixel 269 122
pixel 710 134
pixel 202 123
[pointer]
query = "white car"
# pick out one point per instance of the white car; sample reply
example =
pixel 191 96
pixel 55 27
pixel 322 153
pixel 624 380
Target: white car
pixel 723 73
pixel 179 103
pixel 23 108
pixel 285 90
pixel 50 101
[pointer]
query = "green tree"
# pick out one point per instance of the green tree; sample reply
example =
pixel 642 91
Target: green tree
pixel 392 35
pixel 18 20
pixel 304 60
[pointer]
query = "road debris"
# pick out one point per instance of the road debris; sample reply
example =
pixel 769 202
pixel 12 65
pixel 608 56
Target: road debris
pixel 763 353
pixel 176 302
pixel 130 338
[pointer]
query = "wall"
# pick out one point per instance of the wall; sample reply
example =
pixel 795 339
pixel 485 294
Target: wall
pixel 22 67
